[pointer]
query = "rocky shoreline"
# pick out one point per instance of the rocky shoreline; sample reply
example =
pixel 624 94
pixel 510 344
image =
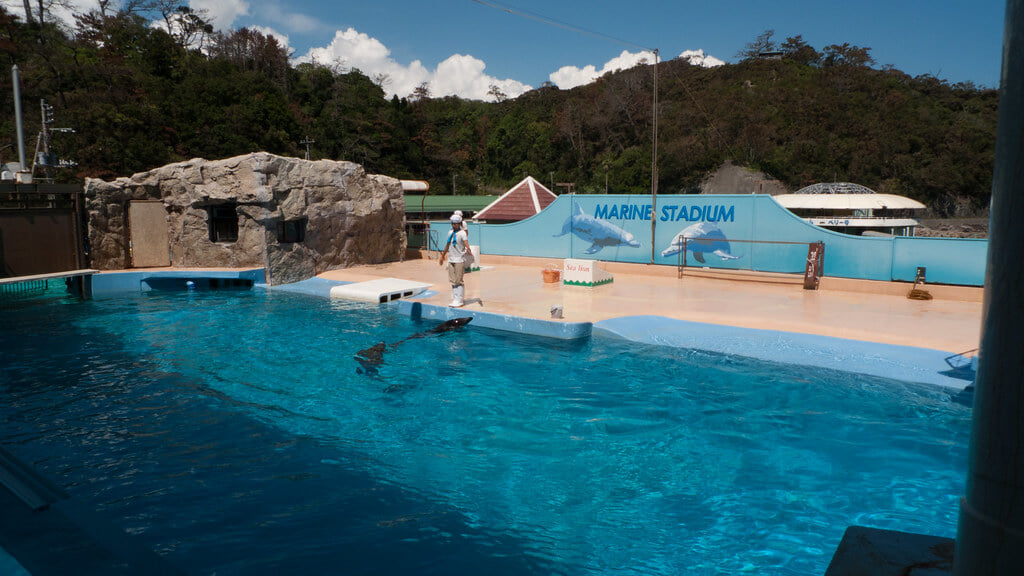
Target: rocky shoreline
pixel 953 228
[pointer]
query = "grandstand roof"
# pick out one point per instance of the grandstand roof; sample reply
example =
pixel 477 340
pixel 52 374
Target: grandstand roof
pixel 835 188
pixel 847 201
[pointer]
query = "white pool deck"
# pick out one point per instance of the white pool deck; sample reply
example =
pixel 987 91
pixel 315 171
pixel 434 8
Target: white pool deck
pixel 866 311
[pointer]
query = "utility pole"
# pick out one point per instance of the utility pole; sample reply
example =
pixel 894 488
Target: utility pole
pixel 654 156
pixel 44 156
pixel 307 141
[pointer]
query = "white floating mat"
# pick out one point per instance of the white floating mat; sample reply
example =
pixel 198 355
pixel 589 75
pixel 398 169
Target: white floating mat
pixel 380 290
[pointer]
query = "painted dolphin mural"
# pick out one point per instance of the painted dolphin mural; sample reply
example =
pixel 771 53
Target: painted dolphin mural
pixel 599 233
pixel 701 238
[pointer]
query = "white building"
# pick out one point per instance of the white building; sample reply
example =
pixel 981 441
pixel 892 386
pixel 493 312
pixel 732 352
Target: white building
pixel 854 209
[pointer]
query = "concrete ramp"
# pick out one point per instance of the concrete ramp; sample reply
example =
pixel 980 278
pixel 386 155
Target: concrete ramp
pixel 380 290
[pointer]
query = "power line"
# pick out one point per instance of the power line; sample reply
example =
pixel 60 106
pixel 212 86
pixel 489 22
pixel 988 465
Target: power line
pixel 560 24
pixel 654 92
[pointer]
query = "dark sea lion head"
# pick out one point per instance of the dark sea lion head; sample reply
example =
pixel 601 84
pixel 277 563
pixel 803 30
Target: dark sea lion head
pixel 453 324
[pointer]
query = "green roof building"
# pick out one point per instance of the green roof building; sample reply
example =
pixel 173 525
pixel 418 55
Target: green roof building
pixel 421 209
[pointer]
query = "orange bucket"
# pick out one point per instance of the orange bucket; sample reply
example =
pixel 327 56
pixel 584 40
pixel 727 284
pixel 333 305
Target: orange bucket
pixel 551 276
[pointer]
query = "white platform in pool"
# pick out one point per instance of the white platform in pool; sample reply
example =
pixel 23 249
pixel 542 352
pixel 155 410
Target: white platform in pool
pixel 379 290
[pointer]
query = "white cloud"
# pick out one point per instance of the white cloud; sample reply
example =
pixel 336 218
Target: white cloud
pixel 463 75
pixel 698 58
pixel 221 13
pixel 284 18
pixel 61 12
pixel 459 75
pixel 282 39
pixel 568 77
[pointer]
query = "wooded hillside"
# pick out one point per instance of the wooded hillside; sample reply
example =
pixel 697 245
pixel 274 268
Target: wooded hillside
pixel 139 97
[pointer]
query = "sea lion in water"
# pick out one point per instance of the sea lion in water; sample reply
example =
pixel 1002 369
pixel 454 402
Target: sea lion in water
pixel 371 358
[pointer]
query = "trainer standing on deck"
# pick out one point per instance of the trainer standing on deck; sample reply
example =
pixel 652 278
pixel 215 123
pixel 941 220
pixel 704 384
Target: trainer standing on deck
pixel 458 245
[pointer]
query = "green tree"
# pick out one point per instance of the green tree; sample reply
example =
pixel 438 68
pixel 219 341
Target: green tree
pixel 798 51
pixel 139 97
pixel 764 43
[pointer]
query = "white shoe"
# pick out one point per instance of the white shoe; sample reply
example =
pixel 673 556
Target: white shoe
pixel 458 301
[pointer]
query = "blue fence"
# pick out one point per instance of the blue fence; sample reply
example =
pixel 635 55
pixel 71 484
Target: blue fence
pixel 722 231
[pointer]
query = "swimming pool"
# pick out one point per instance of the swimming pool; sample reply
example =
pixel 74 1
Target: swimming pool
pixel 233 432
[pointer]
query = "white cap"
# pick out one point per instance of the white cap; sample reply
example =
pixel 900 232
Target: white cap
pixel 456 219
pixel 458 213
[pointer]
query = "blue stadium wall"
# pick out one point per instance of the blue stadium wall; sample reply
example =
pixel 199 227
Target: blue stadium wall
pixel 746 232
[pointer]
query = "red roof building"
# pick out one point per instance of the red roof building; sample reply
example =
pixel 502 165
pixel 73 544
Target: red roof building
pixel 524 200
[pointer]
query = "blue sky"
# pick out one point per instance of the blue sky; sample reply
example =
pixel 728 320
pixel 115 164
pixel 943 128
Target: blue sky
pixel 463 47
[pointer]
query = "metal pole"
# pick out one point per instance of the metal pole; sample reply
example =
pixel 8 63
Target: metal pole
pixel 654 157
pixel 307 141
pixel 990 534
pixel 17 115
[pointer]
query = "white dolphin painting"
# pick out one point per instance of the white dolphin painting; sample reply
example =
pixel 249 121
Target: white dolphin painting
pixel 701 238
pixel 600 233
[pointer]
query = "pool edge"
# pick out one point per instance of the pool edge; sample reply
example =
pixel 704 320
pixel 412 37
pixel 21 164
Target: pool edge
pixel 507 322
pixel 896 362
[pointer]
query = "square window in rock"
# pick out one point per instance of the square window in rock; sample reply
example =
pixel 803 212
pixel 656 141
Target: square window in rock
pixel 291 230
pixel 223 223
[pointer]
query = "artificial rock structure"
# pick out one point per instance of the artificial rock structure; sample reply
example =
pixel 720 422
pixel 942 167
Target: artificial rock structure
pixel 294 217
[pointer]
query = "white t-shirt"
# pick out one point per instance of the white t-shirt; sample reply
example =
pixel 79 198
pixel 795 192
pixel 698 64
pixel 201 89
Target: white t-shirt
pixel 458 246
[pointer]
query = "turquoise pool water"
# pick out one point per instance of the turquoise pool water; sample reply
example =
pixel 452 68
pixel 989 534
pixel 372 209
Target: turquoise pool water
pixel 232 432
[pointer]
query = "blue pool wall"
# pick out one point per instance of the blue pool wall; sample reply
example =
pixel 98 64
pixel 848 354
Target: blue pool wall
pixel 904 363
pixel 112 284
pixel 758 217
pixel 534 327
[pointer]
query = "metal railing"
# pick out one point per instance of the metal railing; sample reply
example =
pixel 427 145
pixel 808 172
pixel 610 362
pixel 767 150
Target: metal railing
pixel 813 268
pixel 433 243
